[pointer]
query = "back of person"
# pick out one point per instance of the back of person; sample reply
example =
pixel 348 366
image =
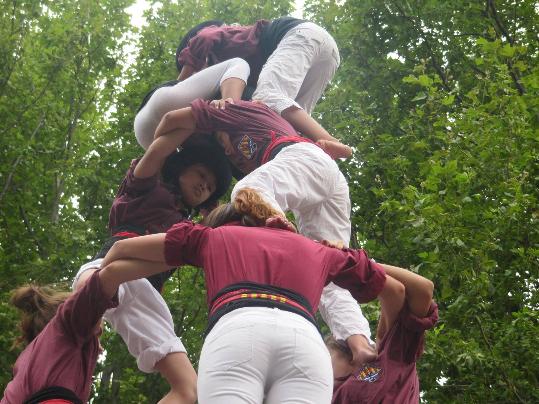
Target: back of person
pixel 64 353
pixel 43 364
pixel 392 377
pixel 265 256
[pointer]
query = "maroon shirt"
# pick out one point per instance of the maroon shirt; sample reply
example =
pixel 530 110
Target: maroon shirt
pixel 145 203
pixel 217 44
pixel 64 354
pixel 252 129
pixel 232 254
pixel 392 377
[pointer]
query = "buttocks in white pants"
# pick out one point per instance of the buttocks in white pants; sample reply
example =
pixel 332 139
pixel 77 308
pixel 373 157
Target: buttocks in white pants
pixel 259 354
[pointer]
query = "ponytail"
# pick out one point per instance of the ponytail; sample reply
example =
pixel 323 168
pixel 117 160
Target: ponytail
pixel 249 203
pixel 38 305
pixel 248 208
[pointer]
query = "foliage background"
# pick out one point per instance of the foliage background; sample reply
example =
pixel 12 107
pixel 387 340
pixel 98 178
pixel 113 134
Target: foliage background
pixel 439 99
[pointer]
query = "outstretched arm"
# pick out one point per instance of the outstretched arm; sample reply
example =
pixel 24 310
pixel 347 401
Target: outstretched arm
pixel 149 248
pixel 124 270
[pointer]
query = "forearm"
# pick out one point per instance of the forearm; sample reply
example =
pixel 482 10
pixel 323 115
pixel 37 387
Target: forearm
pixel 148 248
pixel 153 160
pixel 124 270
pixel 232 88
pixel 306 125
pixel 179 119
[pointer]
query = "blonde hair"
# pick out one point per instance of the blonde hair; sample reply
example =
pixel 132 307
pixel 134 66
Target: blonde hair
pixel 249 208
pixel 38 305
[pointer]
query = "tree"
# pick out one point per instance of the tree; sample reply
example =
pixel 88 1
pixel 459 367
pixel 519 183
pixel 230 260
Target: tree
pixel 60 60
pixel 440 101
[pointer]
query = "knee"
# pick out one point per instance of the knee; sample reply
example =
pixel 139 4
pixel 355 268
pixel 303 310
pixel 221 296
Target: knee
pixel 241 63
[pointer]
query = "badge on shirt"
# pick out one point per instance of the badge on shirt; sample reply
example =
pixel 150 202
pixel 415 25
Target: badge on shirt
pixel 368 373
pixel 247 147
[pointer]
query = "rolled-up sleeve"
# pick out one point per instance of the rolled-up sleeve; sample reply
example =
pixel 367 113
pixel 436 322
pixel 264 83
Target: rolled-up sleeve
pixel 135 186
pixel 184 244
pixel 81 312
pixel 354 271
pixel 342 314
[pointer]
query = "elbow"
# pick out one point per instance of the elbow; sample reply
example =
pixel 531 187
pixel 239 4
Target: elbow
pixel 426 292
pixel 429 289
pixel 116 252
pixel 165 120
pixel 241 63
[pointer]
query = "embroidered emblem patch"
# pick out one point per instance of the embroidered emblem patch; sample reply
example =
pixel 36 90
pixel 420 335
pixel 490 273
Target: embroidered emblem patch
pixel 368 373
pixel 247 147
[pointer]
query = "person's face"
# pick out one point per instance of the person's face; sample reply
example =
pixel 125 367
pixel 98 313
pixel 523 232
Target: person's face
pixel 197 183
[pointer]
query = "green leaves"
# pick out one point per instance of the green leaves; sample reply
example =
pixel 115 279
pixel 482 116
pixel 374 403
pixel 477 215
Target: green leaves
pixel 449 143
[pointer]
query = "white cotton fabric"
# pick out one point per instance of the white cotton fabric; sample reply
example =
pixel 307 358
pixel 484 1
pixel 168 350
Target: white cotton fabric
pixel 143 320
pixel 298 71
pixel 204 84
pixel 259 354
pixel 303 179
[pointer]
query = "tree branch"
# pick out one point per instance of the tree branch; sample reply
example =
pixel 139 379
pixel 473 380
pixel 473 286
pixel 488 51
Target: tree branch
pixel 505 376
pixel 501 30
pixel 30 230
pixel 19 159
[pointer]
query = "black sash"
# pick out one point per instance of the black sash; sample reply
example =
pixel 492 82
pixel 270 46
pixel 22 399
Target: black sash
pixel 306 311
pixel 49 393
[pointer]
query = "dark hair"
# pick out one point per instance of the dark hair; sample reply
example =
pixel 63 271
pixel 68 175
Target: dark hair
pixel 38 305
pixel 211 156
pixel 190 34
pixel 248 208
pixel 333 344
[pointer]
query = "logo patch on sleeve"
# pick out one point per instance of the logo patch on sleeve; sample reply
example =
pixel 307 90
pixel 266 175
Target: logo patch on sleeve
pixel 247 147
pixel 368 373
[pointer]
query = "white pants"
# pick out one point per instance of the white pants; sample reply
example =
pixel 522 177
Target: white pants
pixel 143 320
pixel 257 352
pixel 302 178
pixel 305 180
pixel 299 70
pixel 204 84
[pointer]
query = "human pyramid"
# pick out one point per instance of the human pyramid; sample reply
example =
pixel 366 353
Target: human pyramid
pixel 265 280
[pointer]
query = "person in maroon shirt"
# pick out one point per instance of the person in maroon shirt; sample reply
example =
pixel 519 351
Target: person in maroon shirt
pixel 291 173
pixel 263 288
pixel 62 331
pixel 392 377
pixel 159 190
pixel 291 60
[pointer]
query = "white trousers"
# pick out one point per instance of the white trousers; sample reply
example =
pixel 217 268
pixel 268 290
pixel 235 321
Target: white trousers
pixel 303 179
pixel 259 354
pixel 299 70
pixel 204 84
pixel 143 320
